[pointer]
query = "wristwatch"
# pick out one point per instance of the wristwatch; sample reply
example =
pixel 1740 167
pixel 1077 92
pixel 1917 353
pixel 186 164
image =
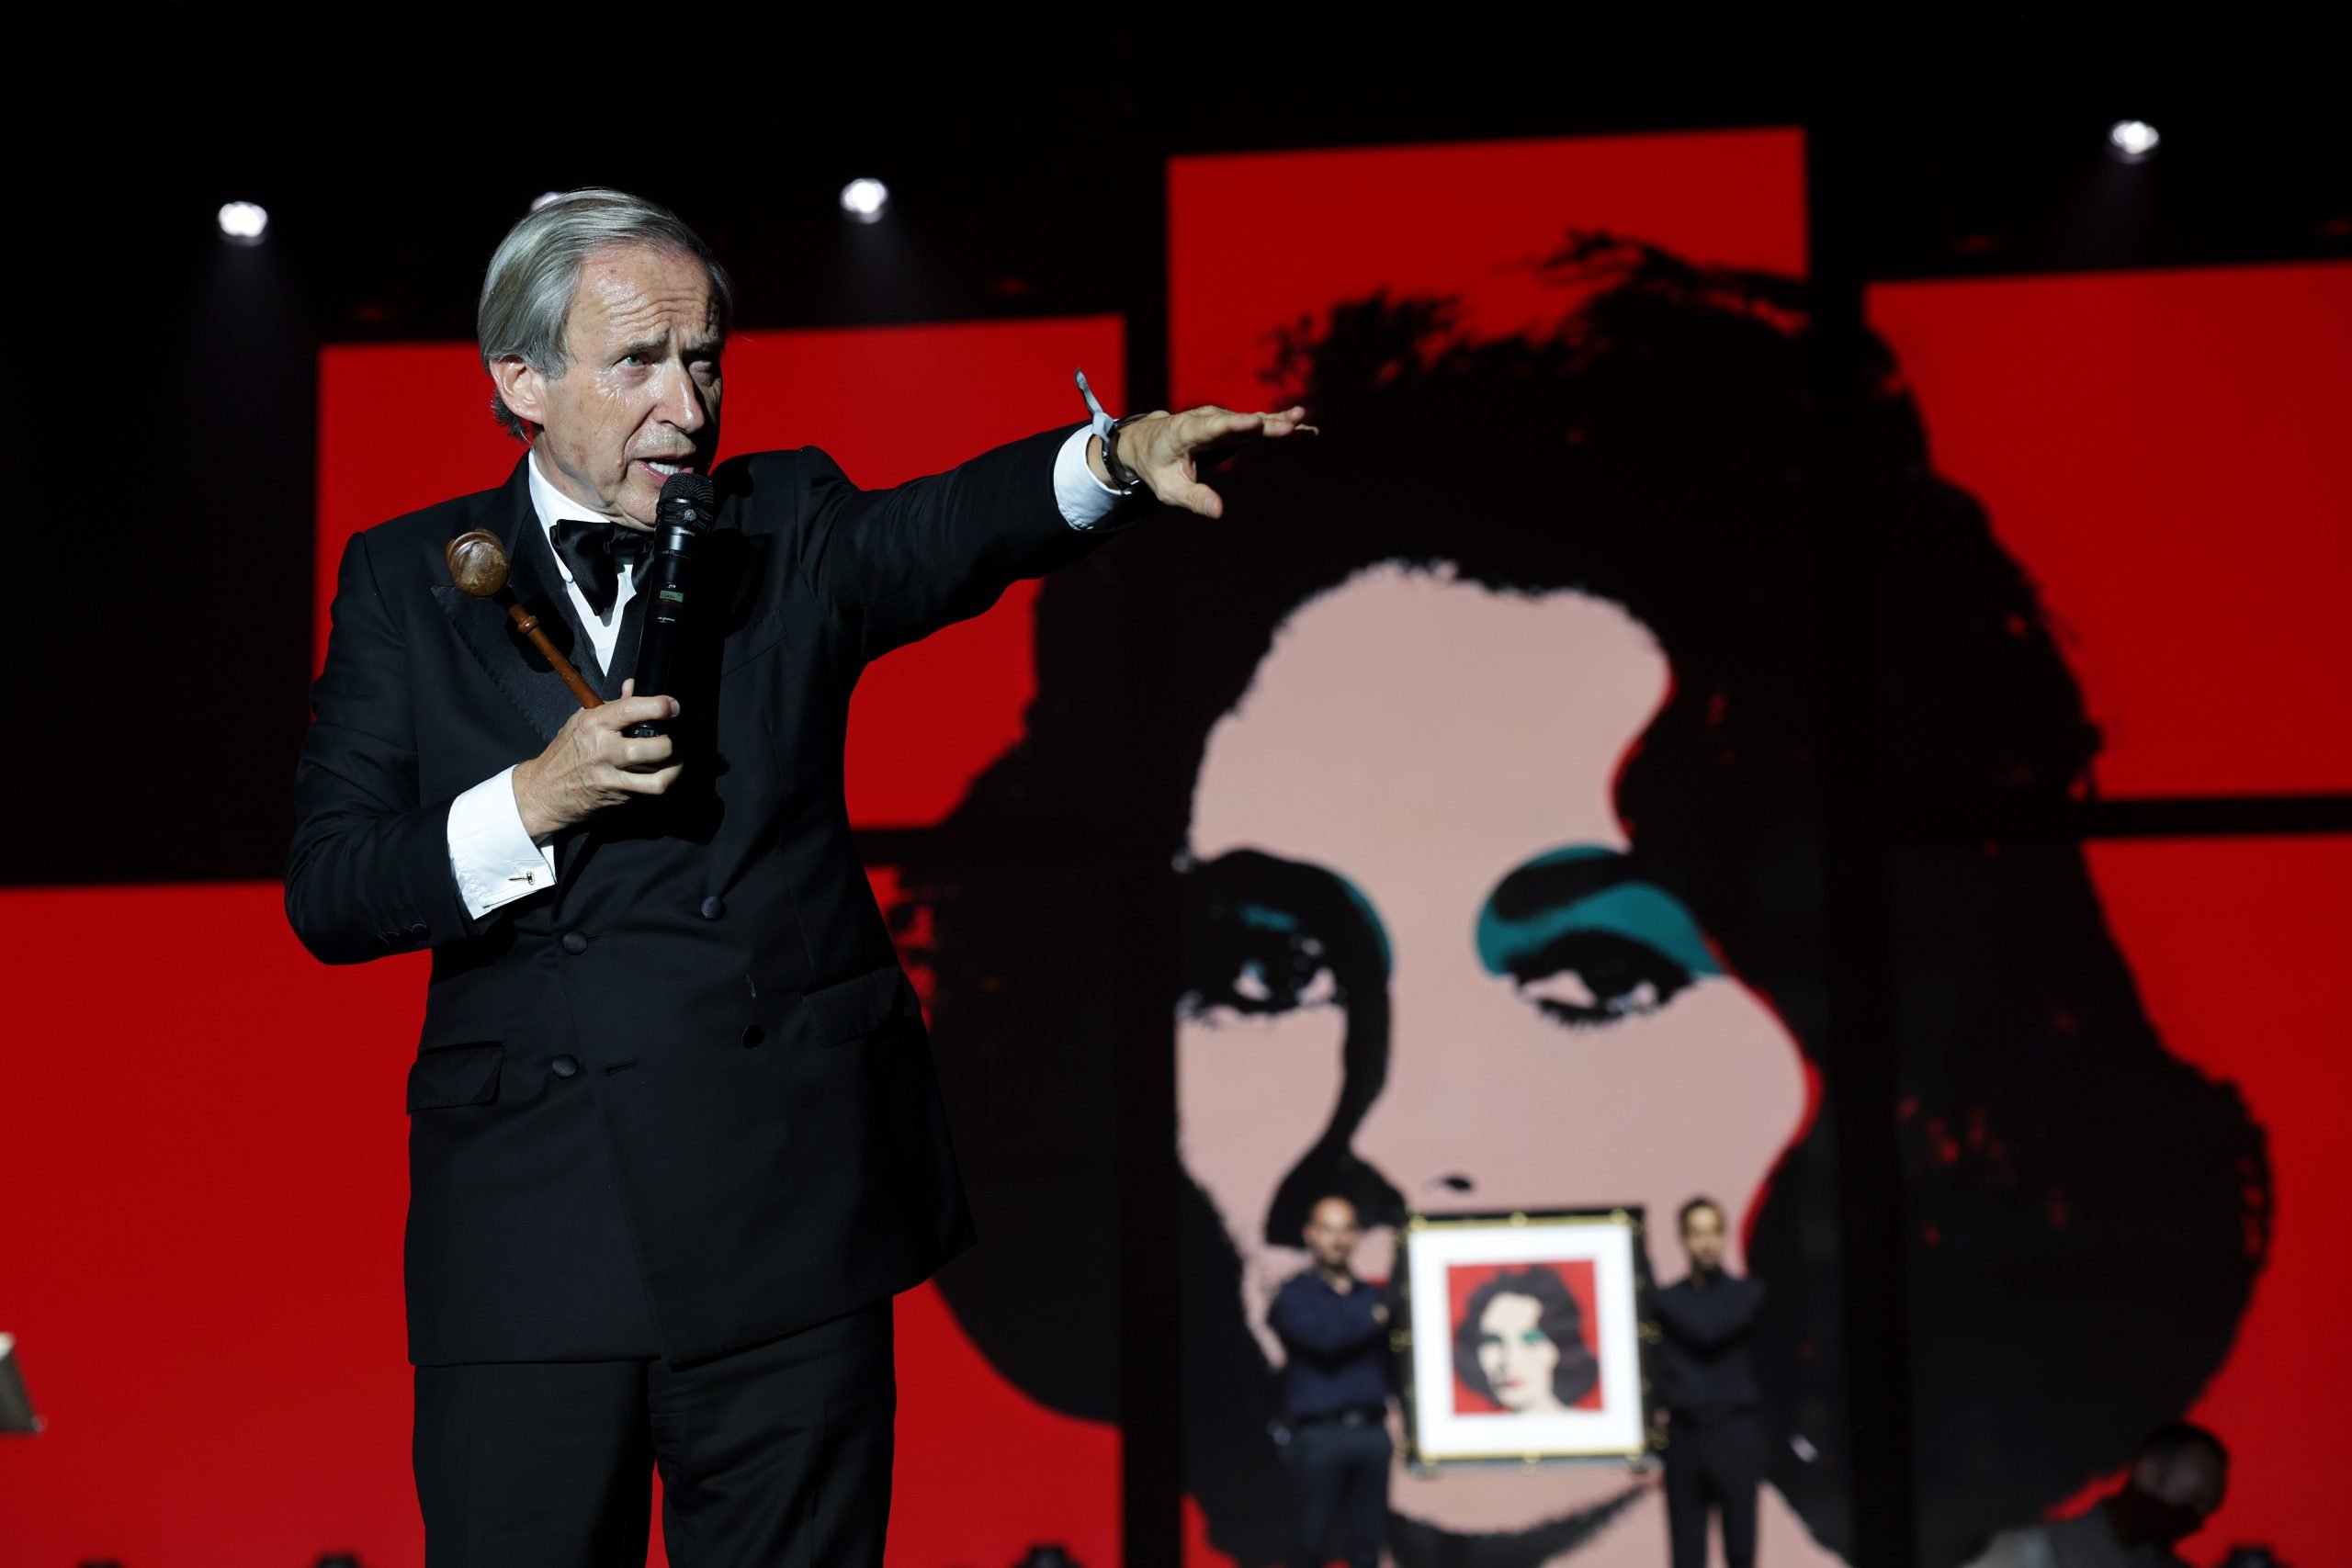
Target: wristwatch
pixel 1124 479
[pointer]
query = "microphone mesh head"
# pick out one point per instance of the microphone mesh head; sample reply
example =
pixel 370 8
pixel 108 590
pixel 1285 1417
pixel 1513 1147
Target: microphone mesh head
pixel 690 499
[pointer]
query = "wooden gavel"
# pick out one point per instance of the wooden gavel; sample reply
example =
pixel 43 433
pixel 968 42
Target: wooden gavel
pixel 479 564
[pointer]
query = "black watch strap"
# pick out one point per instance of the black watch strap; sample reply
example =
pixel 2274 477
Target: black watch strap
pixel 1122 478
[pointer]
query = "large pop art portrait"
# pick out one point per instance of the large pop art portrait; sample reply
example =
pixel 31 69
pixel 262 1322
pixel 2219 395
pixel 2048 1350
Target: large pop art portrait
pixel 1471 764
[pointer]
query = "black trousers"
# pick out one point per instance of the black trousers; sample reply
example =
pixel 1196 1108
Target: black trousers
pixel 1715 1464
pixel 1342 1474
pixel 776 1455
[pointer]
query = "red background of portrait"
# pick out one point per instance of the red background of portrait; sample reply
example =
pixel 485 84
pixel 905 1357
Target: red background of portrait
pixel 2166 453
pixel 2163 452
pixel 1263 241
pixel 1463 1279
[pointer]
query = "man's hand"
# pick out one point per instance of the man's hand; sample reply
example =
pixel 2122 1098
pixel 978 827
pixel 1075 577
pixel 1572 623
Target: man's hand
pixel 1167 451
pixel 589 764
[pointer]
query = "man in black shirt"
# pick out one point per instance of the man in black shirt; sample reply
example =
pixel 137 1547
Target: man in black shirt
pixel 1335 1388
pixel 1714 1452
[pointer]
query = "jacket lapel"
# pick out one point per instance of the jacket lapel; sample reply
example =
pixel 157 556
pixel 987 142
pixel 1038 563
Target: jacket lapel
pixel 483 625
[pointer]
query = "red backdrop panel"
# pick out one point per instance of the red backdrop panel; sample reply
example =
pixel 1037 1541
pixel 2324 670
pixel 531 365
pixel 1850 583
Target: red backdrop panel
pixel 2234 943
pixel 401 426
pixel 204 1267
pixel 2164 451
pixel 1260 240
pixel 203 1258
pixel 1463 1282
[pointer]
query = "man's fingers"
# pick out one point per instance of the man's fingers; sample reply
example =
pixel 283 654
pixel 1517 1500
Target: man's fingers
pixel 1209 422
pixel 627 711
pixel 1214 431
pixel 640 755
pixel 1273 422
pixel 656 782
pixel 652 781
pixel 1193 497
pixel 1203 426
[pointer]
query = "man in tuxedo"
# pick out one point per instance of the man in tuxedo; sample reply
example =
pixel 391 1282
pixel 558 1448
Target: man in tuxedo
pixel 1715 1453
pixel 676 1139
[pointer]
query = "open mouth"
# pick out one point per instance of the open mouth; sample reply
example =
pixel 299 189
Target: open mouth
pixel 662 468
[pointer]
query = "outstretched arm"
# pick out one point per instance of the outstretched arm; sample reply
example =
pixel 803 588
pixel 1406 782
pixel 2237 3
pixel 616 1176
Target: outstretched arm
pixel 936 550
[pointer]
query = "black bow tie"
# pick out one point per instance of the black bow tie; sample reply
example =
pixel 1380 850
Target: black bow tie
pixel 595 552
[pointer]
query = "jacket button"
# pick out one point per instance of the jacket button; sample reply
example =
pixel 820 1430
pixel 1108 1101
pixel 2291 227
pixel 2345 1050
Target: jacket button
pixel 713 907
pixel 753 1035
pixel 575 943
pixel 565 1066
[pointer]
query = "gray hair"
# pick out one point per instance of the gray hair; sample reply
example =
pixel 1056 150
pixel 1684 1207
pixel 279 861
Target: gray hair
pixel 526 297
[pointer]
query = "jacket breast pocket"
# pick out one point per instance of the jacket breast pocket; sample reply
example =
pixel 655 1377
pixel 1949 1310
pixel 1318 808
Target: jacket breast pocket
pixel 858 1006
pixel 455 1075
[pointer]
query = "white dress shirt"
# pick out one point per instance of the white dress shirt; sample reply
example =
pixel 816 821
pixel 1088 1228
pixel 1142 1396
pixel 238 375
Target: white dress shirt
pixel 494 859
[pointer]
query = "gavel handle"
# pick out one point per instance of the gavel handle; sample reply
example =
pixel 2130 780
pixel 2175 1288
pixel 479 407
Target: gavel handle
pixel 529 624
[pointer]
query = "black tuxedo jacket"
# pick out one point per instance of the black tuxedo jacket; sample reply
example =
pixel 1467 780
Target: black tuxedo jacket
pixel 681 1102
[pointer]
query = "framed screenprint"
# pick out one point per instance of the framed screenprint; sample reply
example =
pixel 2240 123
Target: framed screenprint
pixel 1527 1337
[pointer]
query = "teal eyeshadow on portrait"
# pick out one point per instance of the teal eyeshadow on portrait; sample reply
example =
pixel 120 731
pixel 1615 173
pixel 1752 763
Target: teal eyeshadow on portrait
pixel 1638 911
pixel 1372 922
pixel 1266 917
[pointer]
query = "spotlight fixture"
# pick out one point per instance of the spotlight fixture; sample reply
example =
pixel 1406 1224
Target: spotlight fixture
pixel 244 223
pixel 2133 141
pixel 866 199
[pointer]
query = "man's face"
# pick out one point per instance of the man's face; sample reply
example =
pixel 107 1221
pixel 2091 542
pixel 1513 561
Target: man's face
pixel 1332 1233
pixel 638 398
pixel 1702 1237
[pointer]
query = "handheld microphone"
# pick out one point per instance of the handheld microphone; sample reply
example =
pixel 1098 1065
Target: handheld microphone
pixel 688 508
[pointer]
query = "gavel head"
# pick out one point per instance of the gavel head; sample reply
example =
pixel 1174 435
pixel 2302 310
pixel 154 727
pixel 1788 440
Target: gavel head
pixel 477 563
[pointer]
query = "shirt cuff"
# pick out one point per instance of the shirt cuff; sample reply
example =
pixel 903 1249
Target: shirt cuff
pixel 1085 501
pixel 492 858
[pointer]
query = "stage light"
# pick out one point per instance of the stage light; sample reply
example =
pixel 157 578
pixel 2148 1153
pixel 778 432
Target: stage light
pixel 2133 140
pixel 244 223
pixel 543 198
pixel 866 199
